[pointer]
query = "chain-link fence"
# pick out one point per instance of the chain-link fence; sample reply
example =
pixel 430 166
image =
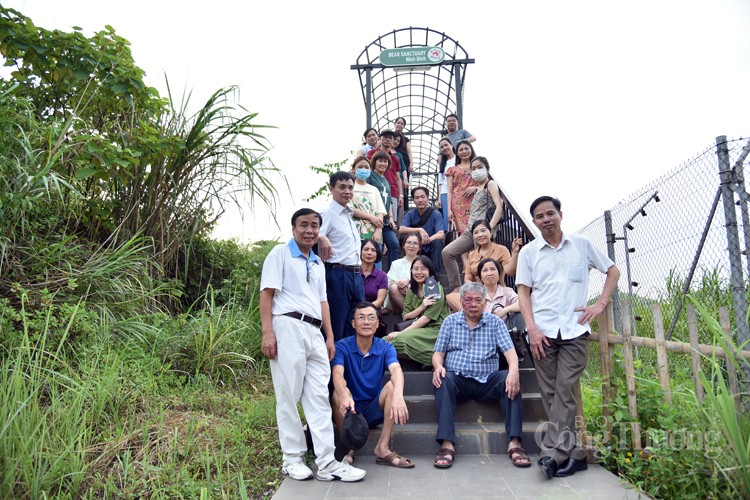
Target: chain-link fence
pixel 687 228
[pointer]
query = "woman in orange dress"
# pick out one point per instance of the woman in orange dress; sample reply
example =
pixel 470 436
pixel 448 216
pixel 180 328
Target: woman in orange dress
pixel 461 187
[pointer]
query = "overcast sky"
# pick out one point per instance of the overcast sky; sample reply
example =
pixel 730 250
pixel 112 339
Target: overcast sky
pixel 584 100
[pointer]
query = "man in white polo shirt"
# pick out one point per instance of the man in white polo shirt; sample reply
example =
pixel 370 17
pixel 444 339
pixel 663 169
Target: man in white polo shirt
pixel 293 307
pixel 556 268
pixel 339 247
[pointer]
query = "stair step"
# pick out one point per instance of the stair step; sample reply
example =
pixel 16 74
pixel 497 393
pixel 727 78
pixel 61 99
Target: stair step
pixel 422 410
pixel 417 383
pixel 471 439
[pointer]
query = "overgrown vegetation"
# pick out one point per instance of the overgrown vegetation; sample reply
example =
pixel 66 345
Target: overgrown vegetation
pixel 690 449
pixel 130 361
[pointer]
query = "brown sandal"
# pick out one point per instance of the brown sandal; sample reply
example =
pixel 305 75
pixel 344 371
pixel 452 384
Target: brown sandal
pixel 403 462
pixel 519 457
pixel 446 456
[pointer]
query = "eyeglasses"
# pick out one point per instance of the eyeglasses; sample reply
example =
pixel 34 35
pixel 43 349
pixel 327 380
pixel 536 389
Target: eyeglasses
pixel 411 244
pixel 475 300
pixel 370 318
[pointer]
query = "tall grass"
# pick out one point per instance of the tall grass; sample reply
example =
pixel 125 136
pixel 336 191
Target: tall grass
pixel 723 412
pixel 220 342
pixel 51 412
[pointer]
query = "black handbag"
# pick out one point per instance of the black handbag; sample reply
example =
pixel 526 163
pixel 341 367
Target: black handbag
pixel 403 325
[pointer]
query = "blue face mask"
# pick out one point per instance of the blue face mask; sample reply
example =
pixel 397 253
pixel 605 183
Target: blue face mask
pixel 362 174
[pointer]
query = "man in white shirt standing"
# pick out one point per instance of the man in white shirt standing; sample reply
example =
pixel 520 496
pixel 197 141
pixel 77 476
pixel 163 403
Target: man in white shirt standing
pixel 556 268
pixel 293 307
pixel 339 246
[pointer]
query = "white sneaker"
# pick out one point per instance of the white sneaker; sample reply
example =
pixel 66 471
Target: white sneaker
pixel 297 470
pixel 341 471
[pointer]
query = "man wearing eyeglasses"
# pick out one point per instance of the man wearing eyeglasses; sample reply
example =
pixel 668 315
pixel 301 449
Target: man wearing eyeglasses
pixel 358 368
pixel 465 365
pixel 293 307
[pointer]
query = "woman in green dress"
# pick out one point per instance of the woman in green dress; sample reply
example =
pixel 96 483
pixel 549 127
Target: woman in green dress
pixel 418 340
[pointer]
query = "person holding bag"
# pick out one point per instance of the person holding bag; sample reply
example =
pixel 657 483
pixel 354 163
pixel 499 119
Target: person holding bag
pixel 487 192
pixel 425 304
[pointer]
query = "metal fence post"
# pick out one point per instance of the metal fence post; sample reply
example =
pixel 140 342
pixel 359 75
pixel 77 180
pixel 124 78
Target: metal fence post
pixel 733 244
pixel 610 237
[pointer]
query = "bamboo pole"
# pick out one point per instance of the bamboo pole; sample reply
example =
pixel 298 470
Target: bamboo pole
pixel 581 424
pixel 627 352
pixel 606 362
pixel 734 386
pixel 671 345
pixel 693 330
pixel 661 352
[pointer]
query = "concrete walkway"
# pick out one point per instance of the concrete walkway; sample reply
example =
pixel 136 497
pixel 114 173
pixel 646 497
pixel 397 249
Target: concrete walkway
pixel 472 476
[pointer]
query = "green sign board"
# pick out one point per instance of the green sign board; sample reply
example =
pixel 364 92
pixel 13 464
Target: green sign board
pixel 412 56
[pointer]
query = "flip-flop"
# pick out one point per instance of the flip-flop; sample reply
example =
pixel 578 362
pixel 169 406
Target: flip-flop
pixel 403 463
pixel 517 455
pixel 445 455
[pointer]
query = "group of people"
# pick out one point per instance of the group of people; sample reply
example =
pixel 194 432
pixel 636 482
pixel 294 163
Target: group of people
pixel 341 292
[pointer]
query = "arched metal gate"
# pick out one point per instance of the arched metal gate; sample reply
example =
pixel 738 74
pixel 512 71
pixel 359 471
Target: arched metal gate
pixel 420 90
pixel 418 74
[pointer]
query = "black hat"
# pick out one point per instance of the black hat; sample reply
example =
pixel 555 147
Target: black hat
pixel 354 434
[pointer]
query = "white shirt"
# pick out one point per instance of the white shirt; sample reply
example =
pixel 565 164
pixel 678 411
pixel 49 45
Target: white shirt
pixel 286 271
pixel 338 226
pixel 442 179
pixel 400 270
pixel 559 282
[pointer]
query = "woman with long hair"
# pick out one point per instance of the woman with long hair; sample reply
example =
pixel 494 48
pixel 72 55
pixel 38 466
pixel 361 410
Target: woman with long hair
pixel 400 271
pixel 446 159
pixel 461 187
pixel 487 192
pixel 417 341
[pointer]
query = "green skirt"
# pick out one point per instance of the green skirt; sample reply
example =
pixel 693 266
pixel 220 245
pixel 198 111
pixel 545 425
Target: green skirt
pixel 417 344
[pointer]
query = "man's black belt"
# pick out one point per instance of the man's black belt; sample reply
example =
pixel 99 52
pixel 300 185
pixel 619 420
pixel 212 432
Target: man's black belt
pixel 307 319
pixel 351 269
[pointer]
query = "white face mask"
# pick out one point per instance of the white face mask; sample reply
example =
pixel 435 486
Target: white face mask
pixel 479 174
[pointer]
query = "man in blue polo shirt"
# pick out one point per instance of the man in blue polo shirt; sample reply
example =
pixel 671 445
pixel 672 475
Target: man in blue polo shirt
pixel 428 222
pixel 357 374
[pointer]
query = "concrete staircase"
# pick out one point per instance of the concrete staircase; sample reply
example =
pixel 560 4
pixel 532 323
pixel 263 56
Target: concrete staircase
pixel 480 427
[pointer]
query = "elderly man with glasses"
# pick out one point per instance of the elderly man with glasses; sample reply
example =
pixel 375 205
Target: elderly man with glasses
pixel 465 366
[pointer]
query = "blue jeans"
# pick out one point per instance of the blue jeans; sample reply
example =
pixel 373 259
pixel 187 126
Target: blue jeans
pixel 435 252
pixel 391 241
pixel 444 208
pixel 345 290
pixel 457 388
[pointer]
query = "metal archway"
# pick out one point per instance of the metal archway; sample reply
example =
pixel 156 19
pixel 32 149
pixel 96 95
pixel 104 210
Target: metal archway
pixel 423 94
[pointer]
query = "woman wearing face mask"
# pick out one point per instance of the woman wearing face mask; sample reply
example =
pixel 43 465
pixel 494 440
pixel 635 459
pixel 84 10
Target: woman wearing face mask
pixel 369 211
pixel 379 163
pixel 486 192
